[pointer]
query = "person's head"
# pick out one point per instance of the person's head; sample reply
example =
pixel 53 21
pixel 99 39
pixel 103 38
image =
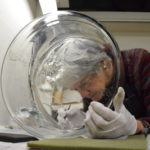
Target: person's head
pixel 88 67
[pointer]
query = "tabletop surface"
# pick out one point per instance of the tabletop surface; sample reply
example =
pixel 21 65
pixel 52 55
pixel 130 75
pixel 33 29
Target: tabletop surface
pixel 23 145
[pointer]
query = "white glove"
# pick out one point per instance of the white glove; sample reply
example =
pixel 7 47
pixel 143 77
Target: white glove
pixel 71 119
pixel 102 122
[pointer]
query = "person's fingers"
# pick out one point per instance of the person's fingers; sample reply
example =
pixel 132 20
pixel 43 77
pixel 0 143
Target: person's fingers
pixel 106 113
pixel 118 99
pixel 90 126
pixel 97 119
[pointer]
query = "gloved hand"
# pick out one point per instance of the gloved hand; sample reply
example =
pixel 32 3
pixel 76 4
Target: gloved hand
pixel 102 122
pixel 71 119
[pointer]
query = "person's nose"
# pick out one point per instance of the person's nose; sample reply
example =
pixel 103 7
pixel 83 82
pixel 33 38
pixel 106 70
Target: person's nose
pixel 84 93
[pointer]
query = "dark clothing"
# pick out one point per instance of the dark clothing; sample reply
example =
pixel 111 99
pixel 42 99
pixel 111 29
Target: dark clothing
pixel 136 63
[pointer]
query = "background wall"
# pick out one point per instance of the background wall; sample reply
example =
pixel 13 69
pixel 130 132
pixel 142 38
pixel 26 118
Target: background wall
pixel 14 15
pixel 130 29
pixel 130 34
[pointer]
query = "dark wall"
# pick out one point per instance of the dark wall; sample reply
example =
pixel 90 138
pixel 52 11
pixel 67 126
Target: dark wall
pixel 111 5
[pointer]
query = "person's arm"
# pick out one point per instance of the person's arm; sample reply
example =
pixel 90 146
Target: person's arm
pixel 137 62
pixel 144 122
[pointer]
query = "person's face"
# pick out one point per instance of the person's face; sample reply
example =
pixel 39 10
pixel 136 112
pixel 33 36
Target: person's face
pixel 93 86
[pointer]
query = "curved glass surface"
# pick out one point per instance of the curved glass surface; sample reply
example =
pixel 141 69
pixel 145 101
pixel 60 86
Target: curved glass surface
pixel 37 72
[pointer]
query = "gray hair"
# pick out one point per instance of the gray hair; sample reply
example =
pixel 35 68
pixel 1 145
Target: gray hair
pixel 81 57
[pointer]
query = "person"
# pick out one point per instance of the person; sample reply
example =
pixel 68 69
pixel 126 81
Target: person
pixel 134 95
pixel 95 68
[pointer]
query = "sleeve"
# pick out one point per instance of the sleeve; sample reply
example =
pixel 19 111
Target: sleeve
pixel 145 84
pixel 138 62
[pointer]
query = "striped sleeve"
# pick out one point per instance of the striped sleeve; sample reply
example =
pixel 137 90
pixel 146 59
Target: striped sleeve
pixel 137 64
pixel 145 84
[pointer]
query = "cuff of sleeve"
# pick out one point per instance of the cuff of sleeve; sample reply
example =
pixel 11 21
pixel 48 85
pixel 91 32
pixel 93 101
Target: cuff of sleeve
pixel 146 129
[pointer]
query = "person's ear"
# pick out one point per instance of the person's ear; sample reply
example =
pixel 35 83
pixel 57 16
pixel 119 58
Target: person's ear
pixel 104 65
pixel 107 69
